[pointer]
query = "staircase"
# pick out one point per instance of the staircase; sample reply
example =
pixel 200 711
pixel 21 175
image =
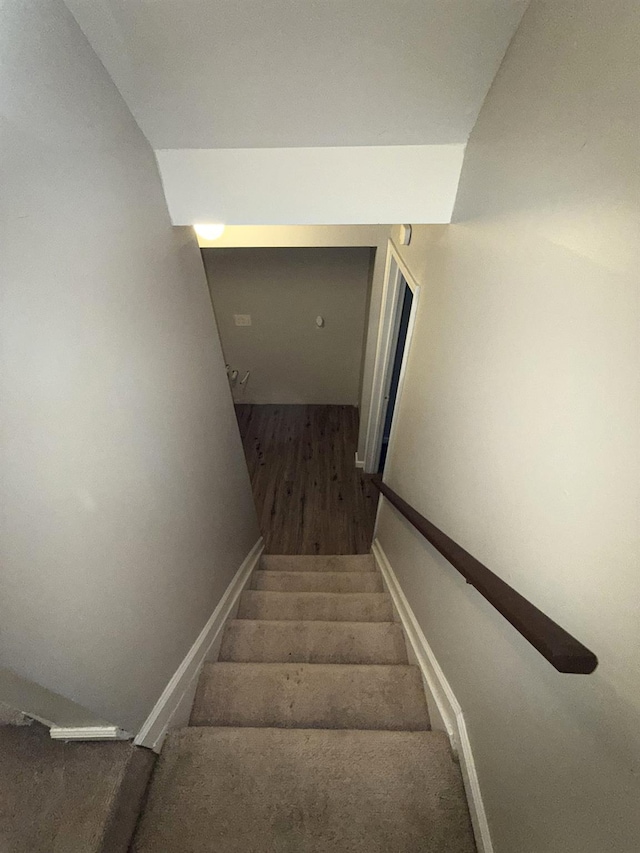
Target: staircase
pixel 311 732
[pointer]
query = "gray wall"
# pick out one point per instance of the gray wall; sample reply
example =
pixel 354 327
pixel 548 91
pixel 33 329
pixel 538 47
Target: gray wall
pixel 126 506
pixel 518 430
pixel 292 360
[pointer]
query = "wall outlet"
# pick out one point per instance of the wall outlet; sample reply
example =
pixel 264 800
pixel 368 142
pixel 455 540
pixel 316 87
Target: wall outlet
pixel 242 319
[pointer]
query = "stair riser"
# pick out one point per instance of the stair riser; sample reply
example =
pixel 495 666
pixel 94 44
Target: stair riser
pixel 321 563
pixel 317 581
pixel 313 642
pixel 323 606
pixel 311 696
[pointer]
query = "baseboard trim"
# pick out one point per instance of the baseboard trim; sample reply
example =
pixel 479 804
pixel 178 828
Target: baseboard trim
pixel 88 733
pixel 442 696
pixel 177 694
pixel 359 462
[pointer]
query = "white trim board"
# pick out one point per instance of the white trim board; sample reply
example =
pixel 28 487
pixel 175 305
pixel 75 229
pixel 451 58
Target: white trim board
pixel 386 341
pixel 359 462
pixel 440 696
pixel 174 705
pixel 88 733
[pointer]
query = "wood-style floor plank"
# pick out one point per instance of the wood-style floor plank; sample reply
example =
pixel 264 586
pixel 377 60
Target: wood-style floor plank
pixel 309 496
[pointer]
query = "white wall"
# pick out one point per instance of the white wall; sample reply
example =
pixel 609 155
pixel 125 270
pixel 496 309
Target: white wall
pixel 518 430
pixel 45 705
pixel 291 359
pixel 126 506
pixel 311 186
pixel 217 74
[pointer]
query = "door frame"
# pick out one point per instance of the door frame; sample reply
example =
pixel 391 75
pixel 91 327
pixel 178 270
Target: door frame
pixel 391 308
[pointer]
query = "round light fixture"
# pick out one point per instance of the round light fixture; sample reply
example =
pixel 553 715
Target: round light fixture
pixel 209 231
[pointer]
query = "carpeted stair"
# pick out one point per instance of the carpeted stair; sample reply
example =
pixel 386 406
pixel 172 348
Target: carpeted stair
pixel 58 797
pixel 311 732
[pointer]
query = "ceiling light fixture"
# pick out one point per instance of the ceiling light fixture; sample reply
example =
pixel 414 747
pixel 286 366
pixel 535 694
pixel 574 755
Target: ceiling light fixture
pixel 209 231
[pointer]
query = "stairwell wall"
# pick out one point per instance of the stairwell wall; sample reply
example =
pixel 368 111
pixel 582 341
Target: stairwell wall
pixel 518 432
pixel 291 360
pixel 126 504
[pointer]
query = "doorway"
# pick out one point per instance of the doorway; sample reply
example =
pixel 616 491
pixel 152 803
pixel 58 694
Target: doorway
pixel 291 322
pixel 398 310
pixel 396 366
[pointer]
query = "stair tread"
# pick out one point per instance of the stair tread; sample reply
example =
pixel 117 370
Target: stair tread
pixel 313 695
pixel 285 581
pixel 286 790
pixel 318 563
pixel 267 641
pixel 325 606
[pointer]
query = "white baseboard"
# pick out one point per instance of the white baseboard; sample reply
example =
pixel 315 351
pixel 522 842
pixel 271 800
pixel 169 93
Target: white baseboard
pixel 88 733
pixel 359 462
pixel 174 705
pixel 440 696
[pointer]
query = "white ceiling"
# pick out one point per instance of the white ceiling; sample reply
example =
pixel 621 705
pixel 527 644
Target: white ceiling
pixel 292 73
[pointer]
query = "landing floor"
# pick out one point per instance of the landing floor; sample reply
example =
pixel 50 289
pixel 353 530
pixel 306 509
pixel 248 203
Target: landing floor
pixel 309 496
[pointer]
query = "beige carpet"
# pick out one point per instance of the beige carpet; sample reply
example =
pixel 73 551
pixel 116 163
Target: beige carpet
pixel 320 606
pixel 283 581
pixel 311 734
pixel 60 797
pixel 318 696
pixel 251 790
pixel 251 641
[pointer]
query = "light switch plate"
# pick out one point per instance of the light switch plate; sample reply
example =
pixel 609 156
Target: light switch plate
pixel 242 319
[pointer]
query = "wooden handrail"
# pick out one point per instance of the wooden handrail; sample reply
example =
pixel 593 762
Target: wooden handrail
pixel 562 650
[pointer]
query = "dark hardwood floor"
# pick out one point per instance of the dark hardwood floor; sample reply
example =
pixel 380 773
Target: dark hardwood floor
pixel 309 496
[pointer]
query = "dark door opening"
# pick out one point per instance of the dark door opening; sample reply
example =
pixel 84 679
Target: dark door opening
pixel 391 397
